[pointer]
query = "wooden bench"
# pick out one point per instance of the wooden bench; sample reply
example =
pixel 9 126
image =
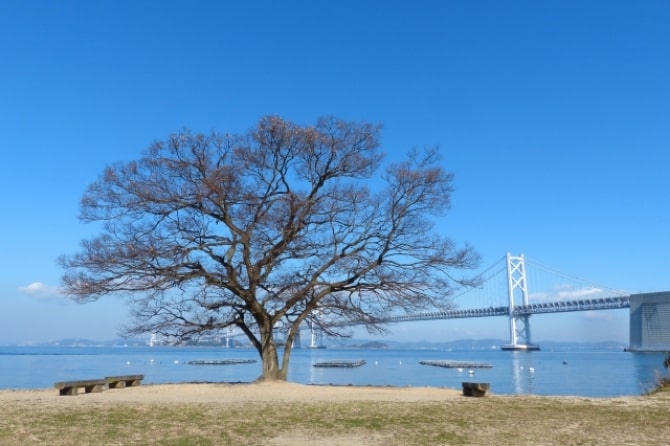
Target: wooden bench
pixel 73 387
pixel 475 389
pixel 119 382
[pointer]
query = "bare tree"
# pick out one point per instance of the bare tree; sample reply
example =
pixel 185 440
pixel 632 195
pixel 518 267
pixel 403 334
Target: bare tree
pixel 262 230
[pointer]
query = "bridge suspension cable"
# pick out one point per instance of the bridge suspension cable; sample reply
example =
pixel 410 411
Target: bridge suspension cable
pixel 491 290
pixel 544 285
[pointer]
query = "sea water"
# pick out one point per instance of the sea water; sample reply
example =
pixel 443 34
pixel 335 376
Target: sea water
pixel 580 373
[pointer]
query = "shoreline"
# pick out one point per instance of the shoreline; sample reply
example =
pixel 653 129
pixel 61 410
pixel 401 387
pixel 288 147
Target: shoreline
pixel 237 392
pixel 285 392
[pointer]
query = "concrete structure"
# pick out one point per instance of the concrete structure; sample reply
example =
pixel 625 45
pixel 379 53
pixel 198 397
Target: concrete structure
pixel 650 322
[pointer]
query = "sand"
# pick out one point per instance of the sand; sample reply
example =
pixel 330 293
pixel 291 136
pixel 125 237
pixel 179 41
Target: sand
pixel 227 393
pixel 271 392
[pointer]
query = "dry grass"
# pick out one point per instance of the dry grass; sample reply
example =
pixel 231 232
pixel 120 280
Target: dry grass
pixel 494 420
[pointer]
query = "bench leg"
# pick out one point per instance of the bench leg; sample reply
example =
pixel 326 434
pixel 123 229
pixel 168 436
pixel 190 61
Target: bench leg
pixel 68 391
pixel 97 388
pixel 124 383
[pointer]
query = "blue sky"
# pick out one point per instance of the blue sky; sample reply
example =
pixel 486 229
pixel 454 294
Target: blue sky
pixel 553 115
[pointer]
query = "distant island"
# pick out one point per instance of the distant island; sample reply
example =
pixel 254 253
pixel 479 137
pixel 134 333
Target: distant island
pixel 369 344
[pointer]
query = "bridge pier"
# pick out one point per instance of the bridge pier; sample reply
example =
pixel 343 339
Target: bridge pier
pixel 649 322
pixel 519 325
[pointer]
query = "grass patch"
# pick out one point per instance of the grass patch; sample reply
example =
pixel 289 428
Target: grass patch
pixel 461 421
pixel 662 385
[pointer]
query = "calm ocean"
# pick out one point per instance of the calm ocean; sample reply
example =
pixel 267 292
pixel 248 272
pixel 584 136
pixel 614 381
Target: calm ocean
pixel 581 373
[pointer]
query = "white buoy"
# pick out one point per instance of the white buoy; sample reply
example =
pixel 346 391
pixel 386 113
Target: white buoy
pixel 531 369
pixel 176 362
pixel 127 362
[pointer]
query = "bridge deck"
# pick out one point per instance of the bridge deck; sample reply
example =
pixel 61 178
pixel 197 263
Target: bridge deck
pixel 607 303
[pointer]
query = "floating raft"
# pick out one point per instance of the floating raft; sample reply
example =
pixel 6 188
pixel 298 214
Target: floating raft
pixel 340 363
pixel 222 362
pixel 457 364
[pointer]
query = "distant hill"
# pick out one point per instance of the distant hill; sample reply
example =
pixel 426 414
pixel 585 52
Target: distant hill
pixel 83 342
pixel 478 345
pixel 455 345
pixel 370 345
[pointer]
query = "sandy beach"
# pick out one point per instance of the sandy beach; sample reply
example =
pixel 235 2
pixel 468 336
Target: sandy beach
pixel 266 392
pixel 235 393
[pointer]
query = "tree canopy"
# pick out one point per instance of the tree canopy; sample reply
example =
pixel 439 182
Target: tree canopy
pixel 265 230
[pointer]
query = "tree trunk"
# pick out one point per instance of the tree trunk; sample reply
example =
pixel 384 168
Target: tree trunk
pixel 271 371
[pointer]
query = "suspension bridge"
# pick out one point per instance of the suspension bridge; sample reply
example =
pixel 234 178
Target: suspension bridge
pixel 504 291
pixel 507 280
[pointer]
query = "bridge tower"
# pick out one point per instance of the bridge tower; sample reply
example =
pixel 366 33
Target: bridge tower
pixel 297 339
pixel 517 290
pixel 316 336
pixel 229 337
